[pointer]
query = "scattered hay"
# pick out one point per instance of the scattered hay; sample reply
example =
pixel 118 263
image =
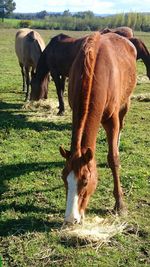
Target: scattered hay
pixel 37 105
pixel 142 79
pixel 142 97
pixel 95 231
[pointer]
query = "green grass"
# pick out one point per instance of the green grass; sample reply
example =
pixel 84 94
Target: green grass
pixel 32 201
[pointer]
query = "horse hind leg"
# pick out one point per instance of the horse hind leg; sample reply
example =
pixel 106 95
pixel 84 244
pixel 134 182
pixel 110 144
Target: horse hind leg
pixel 27 82
pixel 122 114
pixel 112 128
pixel 23 76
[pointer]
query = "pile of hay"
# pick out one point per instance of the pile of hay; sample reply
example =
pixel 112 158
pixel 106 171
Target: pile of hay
pixel 37 105
pixel 142 79
pixel 142 97
pixel 94 231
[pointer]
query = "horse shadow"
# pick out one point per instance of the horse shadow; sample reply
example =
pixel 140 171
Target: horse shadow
pixel 11 116
pixel 32 214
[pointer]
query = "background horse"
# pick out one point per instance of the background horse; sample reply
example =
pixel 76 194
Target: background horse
pixel 142 53
pixel 142 50
pixel 123 31
pixel 28 46
pixel 57 58
pixel 101 81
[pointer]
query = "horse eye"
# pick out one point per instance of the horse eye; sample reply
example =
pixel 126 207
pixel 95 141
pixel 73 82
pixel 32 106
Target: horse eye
pixel 84 180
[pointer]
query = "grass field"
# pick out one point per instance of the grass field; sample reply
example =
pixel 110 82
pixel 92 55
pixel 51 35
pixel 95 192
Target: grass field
pixel 32 201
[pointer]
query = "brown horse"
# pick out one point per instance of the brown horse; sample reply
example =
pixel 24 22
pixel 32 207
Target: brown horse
pixel 57 58
pixel 142 50
pixel 28 46
pixel 101 81
pixel 123 31
pixel 142 53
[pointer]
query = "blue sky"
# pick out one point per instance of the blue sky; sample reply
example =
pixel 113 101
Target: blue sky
pixel 97 6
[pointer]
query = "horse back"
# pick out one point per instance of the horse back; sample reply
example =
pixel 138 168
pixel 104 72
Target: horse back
pixel 28 46
pixel 61 52
pixel 113 78
pixel 115 73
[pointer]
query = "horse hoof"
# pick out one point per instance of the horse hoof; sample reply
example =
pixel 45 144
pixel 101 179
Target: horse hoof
pixel 60 113
pixel 121 210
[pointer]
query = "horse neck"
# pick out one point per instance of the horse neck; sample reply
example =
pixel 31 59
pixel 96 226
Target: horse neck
pixel 142 52
pixel 84 118
pixel 42 67
pixel 145 56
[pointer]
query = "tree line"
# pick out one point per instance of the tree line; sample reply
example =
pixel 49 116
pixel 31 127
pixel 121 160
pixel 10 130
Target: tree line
pixel 87 21
pixel 79 21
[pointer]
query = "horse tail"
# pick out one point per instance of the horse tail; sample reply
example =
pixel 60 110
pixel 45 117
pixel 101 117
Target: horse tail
pixel 89 51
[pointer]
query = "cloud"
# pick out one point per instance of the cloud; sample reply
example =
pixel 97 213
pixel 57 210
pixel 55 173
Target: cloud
pixel 82 5
pixel 59 6
pixel 97 6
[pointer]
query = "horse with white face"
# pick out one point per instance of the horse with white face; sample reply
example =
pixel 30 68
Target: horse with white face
pixel 101 81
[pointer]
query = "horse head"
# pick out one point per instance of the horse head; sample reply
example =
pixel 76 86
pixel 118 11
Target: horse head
pixel 80 179
pixel 39 89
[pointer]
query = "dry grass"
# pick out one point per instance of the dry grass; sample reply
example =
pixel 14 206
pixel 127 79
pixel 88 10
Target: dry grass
pixel 46 110
pixel 94 232
pixel 142 97
pixel 142 79
pixel 40 105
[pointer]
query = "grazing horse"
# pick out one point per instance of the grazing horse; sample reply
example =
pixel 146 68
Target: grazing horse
pixel 57 58
pixel 142 53
pixel 123 31
pixel 28 46
pixel 101 80
pixel 142 50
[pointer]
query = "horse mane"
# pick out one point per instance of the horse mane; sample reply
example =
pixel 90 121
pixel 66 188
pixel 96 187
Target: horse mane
pixel 89 52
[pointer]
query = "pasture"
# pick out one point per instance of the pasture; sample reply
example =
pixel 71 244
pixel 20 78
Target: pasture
pixel 32 201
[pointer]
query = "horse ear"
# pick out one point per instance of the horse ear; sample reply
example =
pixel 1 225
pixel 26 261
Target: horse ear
pixel 65 153
pixel 88 155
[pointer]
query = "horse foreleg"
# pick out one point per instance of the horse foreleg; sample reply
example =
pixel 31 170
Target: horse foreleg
pixel 59 82
pixel 32 72
pixel 112 128
pixel 27 82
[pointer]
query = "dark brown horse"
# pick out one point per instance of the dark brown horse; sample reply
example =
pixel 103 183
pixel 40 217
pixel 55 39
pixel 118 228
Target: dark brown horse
pixel 101 81
pixel 28 46
pixel 123 31
pixel 57 58
pixel 142 53
pixel 142 50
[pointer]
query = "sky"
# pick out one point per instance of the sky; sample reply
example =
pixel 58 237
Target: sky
pixel 97 6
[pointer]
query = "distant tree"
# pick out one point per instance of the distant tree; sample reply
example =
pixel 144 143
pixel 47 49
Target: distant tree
pixel 42 14
pixel 6 8
pixel 66 13
pixel 84 14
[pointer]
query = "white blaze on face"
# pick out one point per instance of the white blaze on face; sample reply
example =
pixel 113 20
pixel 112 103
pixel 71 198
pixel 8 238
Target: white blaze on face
pixel 72 210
